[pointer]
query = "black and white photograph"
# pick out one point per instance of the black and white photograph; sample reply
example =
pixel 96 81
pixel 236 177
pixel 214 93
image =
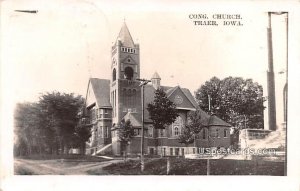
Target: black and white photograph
pixel 99 88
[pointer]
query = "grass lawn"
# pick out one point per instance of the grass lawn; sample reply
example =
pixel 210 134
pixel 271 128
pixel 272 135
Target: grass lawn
pixel 180 166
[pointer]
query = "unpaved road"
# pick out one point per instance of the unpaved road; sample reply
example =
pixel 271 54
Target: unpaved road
pixel 59 167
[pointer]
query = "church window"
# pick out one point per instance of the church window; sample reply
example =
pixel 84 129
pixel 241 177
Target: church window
pixel 176 131
pixel 225 133
pixel 177 126
pixel 128 60
pixel 150 131
pixel 114 74
pixel 128 73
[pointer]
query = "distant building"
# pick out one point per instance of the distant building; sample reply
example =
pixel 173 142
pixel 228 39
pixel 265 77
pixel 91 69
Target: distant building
pixel 110 101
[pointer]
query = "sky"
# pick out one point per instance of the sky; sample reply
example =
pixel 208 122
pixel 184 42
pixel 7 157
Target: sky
pixel 67 42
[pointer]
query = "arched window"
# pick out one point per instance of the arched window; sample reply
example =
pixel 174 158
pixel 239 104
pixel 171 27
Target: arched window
pixel 150 131
pixel 177 126
pixel 176 131
pixel 128 73
pixel 114 75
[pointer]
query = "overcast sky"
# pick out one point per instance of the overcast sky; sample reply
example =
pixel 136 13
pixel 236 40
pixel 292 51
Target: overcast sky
pixel 67 42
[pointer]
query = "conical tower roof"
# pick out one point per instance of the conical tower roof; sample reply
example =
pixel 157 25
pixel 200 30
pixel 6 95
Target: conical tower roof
pixel 155 76
pixel 125 37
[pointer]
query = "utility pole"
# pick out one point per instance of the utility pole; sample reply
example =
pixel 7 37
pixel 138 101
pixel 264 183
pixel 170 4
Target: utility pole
pixel 271 79
pixel 143 83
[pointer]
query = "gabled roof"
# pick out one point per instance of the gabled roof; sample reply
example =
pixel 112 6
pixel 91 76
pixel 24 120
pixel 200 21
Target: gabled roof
pixel 150 93
pixel 185 91
pixel 212 120
pixel 125 37
pixel 101 88
pixel 134 122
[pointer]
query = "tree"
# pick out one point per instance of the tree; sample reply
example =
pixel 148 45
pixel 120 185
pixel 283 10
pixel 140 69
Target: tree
pixel 49 125
pixel 82 134
pixel 27 132
pixel 162 111
pixel 193 127
pixel 234 100
pixel 125 133
pixel 60 112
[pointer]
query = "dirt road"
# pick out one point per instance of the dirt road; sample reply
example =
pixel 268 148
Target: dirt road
pixel 59 167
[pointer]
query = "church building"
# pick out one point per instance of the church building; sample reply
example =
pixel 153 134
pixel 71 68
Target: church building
pixel 108 101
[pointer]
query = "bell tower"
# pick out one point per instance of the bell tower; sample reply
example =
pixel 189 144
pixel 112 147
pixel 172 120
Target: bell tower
pixel 125 69
pixel 125 57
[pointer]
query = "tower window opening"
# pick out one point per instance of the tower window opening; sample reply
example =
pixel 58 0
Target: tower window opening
pixel 128 73
pixel 114 74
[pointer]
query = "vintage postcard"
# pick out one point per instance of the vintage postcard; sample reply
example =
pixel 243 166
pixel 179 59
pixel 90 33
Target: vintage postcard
pixel 154 90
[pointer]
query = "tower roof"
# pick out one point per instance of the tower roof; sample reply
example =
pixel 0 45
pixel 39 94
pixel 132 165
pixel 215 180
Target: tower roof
pixel 155 76
pixel 125 37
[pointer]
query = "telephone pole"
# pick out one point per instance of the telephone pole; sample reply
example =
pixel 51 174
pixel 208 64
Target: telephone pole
pixel 271 79
pixel 143 83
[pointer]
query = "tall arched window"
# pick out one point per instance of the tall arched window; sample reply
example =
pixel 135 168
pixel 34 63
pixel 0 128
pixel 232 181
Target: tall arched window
pixel 128 73
pixel 177 126
pixel 114 75
pixel 176 131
